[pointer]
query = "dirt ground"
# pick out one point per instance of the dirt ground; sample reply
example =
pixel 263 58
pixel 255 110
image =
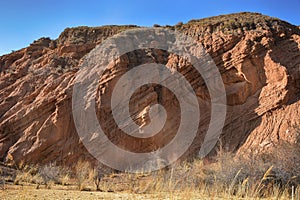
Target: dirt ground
pixel 68 193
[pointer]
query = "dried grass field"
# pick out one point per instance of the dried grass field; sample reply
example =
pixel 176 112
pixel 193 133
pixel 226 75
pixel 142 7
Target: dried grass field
pixel 265 176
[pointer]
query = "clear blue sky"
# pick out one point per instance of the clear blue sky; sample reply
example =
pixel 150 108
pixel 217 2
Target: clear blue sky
pixel 23 21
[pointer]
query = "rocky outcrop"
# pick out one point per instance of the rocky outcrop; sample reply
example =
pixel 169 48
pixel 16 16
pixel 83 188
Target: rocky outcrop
pixel 258 57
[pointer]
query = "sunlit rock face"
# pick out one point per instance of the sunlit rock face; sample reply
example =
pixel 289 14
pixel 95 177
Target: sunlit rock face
pixel 258 58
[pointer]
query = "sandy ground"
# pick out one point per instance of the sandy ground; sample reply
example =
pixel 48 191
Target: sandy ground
pixel 31 193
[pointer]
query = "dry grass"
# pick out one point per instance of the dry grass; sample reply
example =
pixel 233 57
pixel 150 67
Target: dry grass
pixel 83 174
pixel 270 176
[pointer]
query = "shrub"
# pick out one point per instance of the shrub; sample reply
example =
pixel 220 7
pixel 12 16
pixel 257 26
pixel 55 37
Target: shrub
pixel 50 174
pixel 64 178
pixel 82 173
pixel 261 175
pixel 2 179
pixel 97 177
pixel 179 24
pixel 25 173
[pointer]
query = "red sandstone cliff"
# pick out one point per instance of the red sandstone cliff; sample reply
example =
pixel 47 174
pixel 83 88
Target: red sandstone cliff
pixel 258 57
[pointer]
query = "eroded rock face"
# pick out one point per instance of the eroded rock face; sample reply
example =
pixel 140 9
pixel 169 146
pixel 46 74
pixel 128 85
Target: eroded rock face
pixel 260 67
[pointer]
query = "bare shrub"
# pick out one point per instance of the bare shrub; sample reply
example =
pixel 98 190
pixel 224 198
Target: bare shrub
pixel 38 180
pixel 179 24
pixel 97 177
pixel 50 174
pixel 82 173
pixel 47 175
pixel 25 173
pixel 2 179
pixel 286 159
pixel 256 175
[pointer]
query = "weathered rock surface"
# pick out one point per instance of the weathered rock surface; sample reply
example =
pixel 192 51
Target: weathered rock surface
pixel 258 57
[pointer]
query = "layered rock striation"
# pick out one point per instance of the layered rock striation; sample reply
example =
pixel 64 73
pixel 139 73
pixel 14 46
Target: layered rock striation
pixel 257 56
